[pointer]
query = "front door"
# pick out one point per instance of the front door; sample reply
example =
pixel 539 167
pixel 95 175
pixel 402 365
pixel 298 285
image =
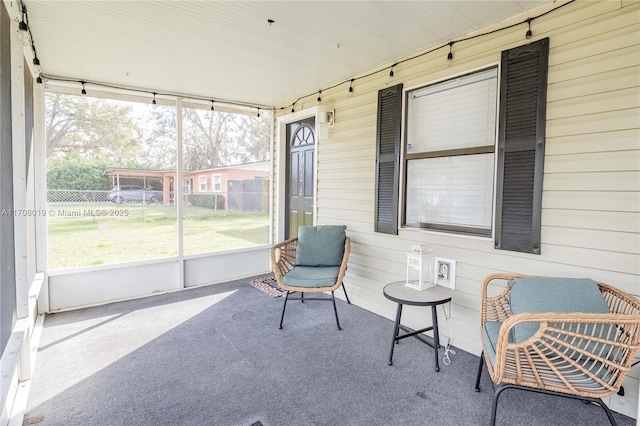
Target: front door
pixel 301 140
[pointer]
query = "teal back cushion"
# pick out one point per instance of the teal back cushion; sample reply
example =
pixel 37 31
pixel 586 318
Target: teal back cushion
pixel 546 294
pixel 320 245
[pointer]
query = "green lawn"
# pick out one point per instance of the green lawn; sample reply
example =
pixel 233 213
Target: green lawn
pixel 83 235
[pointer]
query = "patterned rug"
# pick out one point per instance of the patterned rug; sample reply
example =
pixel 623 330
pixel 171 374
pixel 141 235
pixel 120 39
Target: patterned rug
pixel 268 285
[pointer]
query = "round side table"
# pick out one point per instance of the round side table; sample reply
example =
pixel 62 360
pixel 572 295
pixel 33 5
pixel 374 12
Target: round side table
pixel 433 296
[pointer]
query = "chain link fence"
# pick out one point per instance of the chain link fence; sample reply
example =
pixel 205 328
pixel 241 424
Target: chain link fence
pixel 243 201
pixel 70 196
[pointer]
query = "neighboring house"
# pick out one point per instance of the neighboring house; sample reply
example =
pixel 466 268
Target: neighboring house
pixel 217 180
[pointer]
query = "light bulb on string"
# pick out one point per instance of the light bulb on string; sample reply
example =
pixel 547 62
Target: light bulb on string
pixel 84 92
pixel 258 112
pixel 450 55
pixel 391 71
pixel 212 109
pixel 351 86
pixel 529 33
pixel 153 102
pixel 22 25
pixel 319 96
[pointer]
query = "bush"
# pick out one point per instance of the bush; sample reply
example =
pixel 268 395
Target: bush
pixel 73 172
pixel 208 201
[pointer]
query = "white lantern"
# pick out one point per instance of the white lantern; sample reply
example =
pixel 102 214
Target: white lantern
pixel 420 264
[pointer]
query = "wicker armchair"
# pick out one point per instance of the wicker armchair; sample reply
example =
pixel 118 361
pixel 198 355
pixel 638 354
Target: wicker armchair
pixel 572 354
pixel 294 277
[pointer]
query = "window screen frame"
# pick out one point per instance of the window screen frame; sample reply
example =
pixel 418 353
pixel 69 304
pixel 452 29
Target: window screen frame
pixel 485 149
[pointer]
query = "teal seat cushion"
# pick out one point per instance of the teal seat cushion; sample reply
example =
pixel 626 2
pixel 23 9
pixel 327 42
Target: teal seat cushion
pixel 312 276
pixel 546 294
pixel 320 245
pixel 490 333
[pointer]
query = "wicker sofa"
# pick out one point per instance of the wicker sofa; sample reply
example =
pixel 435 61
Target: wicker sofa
pixel 568 337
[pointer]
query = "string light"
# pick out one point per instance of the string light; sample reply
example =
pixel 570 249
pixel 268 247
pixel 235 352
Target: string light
pixel 258 112
pixel 212 109
pixel 22 26
pixel 450 54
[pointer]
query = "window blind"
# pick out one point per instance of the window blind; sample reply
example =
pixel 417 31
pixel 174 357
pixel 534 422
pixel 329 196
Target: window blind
pixel 452 191
pixel 458 113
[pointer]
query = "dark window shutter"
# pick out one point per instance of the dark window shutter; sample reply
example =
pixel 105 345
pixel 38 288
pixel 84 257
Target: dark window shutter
pixel 388 159
pixel 521 139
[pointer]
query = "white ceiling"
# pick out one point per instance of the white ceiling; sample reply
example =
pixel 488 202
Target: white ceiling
pixel 226 50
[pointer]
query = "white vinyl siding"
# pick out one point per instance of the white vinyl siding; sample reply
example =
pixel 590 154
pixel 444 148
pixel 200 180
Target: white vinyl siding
pixel 591 190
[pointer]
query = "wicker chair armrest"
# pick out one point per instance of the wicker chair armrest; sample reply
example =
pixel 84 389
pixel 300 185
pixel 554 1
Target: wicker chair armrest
pixel 495 308
pixel 577 353
pixel 283 257
pixel 345 261
pixel 619 301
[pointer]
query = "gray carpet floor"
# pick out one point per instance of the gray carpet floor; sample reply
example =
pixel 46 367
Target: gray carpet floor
pixel 215 356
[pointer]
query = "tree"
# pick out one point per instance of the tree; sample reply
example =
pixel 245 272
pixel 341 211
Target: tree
pixel 144 136
pixel 218 138
pixel 159 139
pixel 90 127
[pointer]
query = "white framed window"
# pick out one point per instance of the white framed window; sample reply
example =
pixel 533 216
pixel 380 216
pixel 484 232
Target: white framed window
pixel 202 183
pixel 216 180
pixel 450 149
pixel 186 186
